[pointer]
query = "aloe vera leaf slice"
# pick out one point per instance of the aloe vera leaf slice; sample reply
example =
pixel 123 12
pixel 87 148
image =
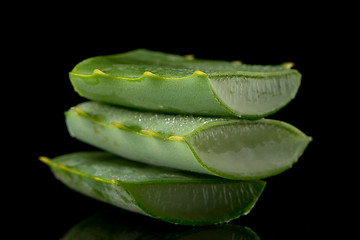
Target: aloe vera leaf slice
pixel 166 194
pixel 157 81
pixel 225 147
pixel 114 226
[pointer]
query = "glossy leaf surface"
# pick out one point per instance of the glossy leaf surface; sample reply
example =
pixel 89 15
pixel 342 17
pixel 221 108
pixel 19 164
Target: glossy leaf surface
pixel 227 147
pixel 167 194
pixel 169 83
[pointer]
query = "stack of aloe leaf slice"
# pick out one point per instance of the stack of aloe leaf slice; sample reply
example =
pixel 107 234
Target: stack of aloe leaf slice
pixel 184 139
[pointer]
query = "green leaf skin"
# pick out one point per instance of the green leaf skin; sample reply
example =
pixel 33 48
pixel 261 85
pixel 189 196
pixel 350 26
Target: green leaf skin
pixel 112 226
pixel 149 80
pixel 166 194
pixel 231 148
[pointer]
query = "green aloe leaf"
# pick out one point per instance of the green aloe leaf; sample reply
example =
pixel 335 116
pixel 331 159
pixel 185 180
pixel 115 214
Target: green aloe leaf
pixel 227 147
pixel 118 226
pixel 170 83
pixel 170 195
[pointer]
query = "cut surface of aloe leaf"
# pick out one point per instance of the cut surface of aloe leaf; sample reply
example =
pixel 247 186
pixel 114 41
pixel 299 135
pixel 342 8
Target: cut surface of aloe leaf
pixel 118 226
pixel 161 82
pixel 227 147
pixel 167 194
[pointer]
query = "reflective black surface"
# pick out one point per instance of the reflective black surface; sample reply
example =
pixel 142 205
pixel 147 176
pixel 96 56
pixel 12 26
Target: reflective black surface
pixel 115 225
pixel 301 203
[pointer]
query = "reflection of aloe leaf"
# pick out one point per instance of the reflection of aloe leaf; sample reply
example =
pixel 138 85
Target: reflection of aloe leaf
pixel 166 194
pixel 106 226
pixel 170 83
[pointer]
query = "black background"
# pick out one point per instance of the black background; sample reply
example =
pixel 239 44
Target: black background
pixel 308 201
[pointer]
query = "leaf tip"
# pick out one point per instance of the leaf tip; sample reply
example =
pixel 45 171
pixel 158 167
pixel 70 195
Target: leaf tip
pixel 179 138
pixel 237 62
pixel 288 65
pixel 151 133
pixel 189 56
pixel 148 74
pixel 98 71
pixel 78 110
pixel 99 179
pixel 199 73
pixel 118 125
pixel 44 159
